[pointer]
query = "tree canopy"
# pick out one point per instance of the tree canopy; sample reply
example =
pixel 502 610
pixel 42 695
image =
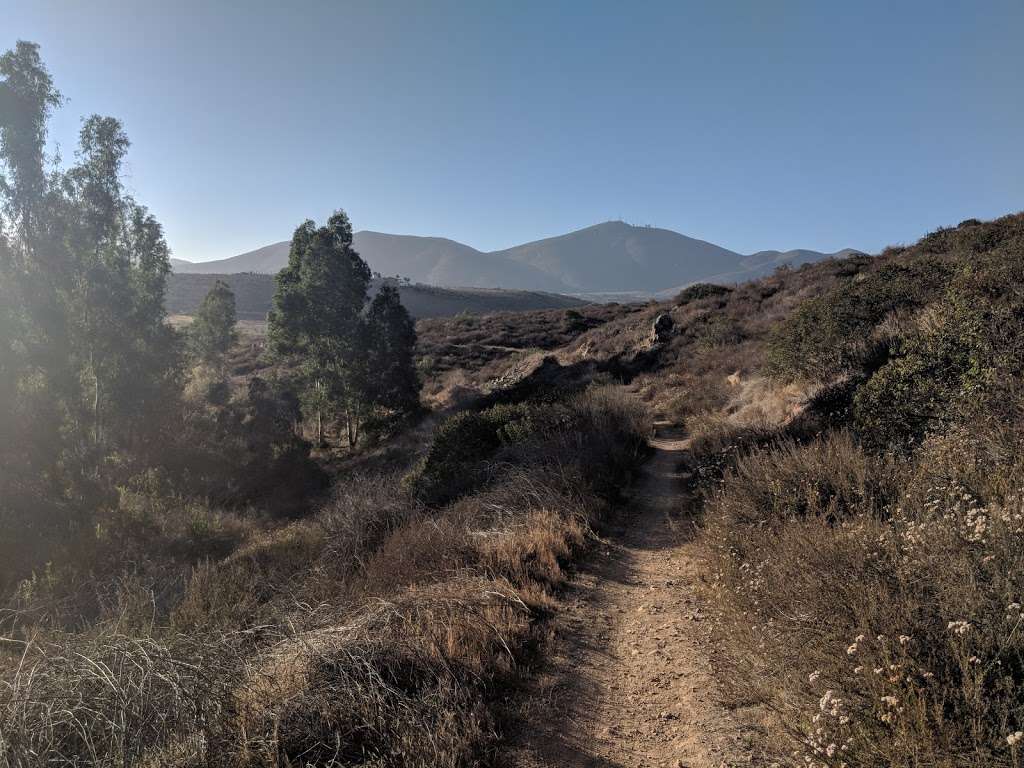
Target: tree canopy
pixel 212 332
pixel 356 359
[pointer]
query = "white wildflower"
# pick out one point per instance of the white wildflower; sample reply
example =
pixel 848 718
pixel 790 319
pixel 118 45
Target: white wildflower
pixel 959 627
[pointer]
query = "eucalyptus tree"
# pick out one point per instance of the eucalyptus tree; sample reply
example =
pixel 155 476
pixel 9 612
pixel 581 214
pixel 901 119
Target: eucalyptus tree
pixel 391 350
pixel 213 331
pixel 86 266
pixel 33 272
pixel 317 319
pixel 27 97
pixel 124 349
pixel 355 358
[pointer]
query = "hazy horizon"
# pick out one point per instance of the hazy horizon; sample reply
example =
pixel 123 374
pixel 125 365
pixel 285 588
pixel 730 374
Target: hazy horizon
pixel 748 126
pixel 512 245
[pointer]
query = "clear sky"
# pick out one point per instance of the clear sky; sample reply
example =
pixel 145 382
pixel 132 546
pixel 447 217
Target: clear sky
pixel 761 124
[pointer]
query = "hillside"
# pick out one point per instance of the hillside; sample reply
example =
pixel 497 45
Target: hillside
pixel 254 292
pixel 609 258
pixel 627 517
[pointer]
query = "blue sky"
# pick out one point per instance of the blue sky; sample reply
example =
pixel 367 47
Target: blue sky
pixel 762 124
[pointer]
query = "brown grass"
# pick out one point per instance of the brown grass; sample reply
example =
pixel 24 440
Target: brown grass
pixel 377 632
pixel 873 607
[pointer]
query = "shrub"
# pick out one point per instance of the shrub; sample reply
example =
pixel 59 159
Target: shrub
pixel 700 291
pixel 718 331
pixel 830 479
pixel 833 334
pixel 874 605
pixel 456 461
pixel 575 322
pixel 468 448
pixel 909 623
pixel 961 358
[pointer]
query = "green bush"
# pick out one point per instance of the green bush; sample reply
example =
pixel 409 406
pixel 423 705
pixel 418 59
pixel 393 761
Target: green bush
pixel 700 291
pixel 959 360
pixel 718 331
pixel 593 429
pixel 457 459
pixel 833 334
pixel 575 322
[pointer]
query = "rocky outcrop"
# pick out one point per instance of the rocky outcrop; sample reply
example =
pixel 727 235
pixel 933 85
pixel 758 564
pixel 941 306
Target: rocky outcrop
pixel 662 329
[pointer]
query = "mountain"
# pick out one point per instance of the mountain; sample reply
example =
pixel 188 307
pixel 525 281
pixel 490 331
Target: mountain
pixel 617 256
pixel 268 259
pixel 613 257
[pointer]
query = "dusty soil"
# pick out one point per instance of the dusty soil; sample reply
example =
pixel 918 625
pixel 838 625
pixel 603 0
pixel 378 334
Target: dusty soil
pixel 630 682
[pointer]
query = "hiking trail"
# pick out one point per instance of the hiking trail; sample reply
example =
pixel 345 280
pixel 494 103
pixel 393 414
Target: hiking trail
pixel 630 683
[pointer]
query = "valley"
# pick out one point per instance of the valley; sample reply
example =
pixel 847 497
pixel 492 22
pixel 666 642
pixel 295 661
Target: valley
pixel 254 294
pixel 617 497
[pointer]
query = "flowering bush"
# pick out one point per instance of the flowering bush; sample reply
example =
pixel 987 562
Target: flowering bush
pixel 892 634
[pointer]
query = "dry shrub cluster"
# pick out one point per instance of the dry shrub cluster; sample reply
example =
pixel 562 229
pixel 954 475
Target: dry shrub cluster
pixel 396 685
pixel 874 605
pixel 868 544
pixel 381 631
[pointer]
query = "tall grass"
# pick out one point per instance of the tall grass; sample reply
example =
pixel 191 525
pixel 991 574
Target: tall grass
pixel 875 606
pixel 380 631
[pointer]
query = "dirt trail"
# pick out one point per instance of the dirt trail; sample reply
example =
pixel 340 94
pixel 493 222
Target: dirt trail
pixel 631 683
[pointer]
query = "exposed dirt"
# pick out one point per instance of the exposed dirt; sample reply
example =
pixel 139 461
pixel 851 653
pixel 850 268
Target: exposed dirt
pixel 630 682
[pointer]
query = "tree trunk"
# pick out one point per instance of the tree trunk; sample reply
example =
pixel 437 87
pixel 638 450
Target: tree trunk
pixel 352 424
pixel 96 426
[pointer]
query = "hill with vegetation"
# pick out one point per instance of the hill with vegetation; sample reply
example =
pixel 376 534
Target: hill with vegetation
pixel 254 294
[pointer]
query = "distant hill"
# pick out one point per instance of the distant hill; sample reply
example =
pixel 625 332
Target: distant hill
pixel 253 294
pixel 613 257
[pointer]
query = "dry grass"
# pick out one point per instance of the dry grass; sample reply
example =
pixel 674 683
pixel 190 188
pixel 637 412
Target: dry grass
pixel 110 699
pixel 380 631
pixel 874 607
pixel 397 685
pixel 377 632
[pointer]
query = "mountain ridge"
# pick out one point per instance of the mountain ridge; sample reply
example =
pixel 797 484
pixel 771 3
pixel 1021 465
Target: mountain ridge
pixel 609 257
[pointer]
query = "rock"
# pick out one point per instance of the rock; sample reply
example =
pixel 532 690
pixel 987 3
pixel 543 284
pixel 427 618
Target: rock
pixel 662 329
